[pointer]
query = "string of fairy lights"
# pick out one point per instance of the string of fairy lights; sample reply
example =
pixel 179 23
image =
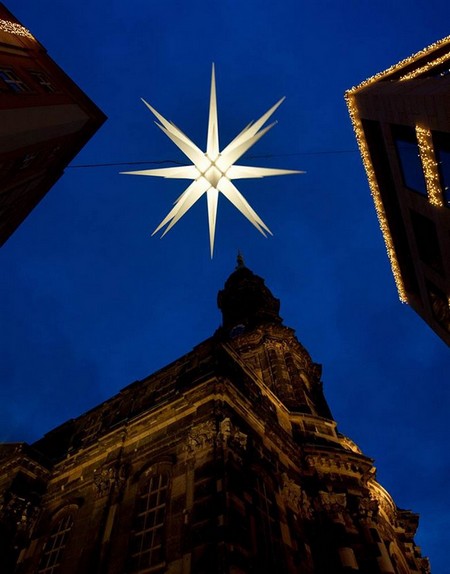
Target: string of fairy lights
pixel 425 145
pixel 423 134
pixel 15 28
pixel 406 62
pixel 423 69
pixel 430 166
pixel 375 191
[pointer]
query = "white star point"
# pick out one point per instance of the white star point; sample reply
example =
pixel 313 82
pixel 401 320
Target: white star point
pixel 213 170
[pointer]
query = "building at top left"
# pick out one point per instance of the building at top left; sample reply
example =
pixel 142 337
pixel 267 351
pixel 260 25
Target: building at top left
pixel 45 120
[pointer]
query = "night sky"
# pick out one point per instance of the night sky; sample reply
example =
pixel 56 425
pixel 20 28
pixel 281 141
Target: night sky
pixel 91 302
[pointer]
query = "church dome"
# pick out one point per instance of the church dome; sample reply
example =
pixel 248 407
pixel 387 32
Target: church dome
pixel 246 302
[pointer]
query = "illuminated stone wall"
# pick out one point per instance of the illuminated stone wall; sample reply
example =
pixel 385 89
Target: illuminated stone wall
pixel 227 460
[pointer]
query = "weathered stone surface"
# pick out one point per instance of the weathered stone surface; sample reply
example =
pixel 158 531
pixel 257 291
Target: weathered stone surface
pixel 227 460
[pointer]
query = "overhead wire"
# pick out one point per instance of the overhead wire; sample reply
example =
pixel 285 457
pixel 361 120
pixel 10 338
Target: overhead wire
pixel 175 162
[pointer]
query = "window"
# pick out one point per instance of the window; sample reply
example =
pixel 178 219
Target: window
pixel 43 81
pixel 427 241
pixel 12 81
pixel 55 545
pixel 266 526
pixel 441 141
pixel 147 538
pixel 409 158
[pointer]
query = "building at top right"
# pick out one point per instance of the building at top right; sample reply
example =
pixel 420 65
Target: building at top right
pixel 401 119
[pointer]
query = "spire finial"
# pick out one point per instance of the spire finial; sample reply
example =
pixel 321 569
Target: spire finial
pixel 240 260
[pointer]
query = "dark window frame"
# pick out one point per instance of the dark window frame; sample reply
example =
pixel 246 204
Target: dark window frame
pixel 427 241
pixel 409 160
pixel 267 535
pixel 441 145
pixel 147 541
pixel 43 80
pixel 55 544
pixel 13 82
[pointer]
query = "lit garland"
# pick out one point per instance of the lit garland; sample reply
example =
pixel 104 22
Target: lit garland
pixel 379 208
pixel 407 62
pixel 425 145
pixel 426 67
pixel 16 29
pixel 430 165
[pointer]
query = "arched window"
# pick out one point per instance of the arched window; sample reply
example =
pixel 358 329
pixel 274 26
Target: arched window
pixel 55 545
pixel 266 528
pixel 147 542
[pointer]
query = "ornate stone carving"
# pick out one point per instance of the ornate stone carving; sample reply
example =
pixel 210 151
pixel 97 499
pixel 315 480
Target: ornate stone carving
pixel 18 512
pixel 333 502
pixel 339 464
pixel 384 501
pixel 348 444
pixel 108 478
pixel 425 565
pixel 273 345
pixel 231 436
pixel 240 439
pixel 291 493
pixel 289 344
pixel 295 497
pixel 226 429
pixel 368 508
pixel 201 436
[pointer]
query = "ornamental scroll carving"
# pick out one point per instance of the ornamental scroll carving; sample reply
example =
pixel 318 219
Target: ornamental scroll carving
pixel 291 345
pixel 368 508
pixel 206 435
pixel 109 478
pixel 273 345
pixel 333 502
pixel 295 497
pixel 231 436
pixel 201 436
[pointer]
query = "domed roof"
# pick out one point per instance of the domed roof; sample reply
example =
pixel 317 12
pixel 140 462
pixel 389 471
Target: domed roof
pixel 245 301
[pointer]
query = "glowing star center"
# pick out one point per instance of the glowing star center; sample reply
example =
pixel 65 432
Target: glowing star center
pixel 213 170
pixel 213 175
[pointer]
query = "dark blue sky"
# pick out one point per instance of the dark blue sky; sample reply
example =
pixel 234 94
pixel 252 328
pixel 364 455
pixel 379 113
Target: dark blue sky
pixel 90 302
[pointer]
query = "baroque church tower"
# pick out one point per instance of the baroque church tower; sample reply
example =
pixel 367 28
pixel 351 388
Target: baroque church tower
pixel 226 461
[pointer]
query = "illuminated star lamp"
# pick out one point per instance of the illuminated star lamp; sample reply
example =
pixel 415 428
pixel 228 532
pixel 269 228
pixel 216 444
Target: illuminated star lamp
pixel 212 172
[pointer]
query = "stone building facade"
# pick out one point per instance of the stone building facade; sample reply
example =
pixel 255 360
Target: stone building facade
pixel 226 461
